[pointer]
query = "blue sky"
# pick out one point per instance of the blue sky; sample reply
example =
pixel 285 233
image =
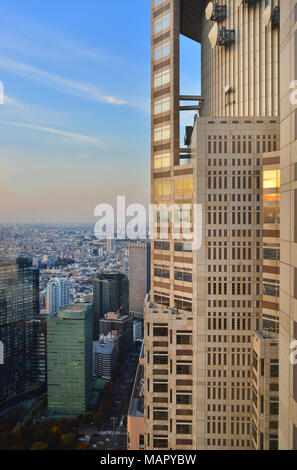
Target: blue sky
pixel 74 127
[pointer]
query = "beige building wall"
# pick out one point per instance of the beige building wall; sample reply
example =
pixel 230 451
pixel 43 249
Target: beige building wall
pixel 288 300
pixel 265 391
pixel 228 273
pixel 199 329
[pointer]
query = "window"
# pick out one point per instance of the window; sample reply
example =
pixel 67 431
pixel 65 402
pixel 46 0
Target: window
pixel 183 276
pixel 162 51
pixel 274 368
pixel 183 186
pixel 162 133
pixel 160 442
pixel 183 339
pixel 158 2
pixel 161 160
pixel 160 414
pixel 185 247
pixel 162 106
pixel 162 189
pixel 184 428
pixel 271 179
pixel 271 252
pixel 272 197
pixel 160 386
pixel 161 23
pixel 184 368
pixel 162 78
pixel 160 331
pixel 141 441
pixel 160 358
pixel 183 215
pixel 182 303
pixel 271 214
pixel 272 290
pixel 164 273
pixel 273 442
pixel 162 246
pixel 274 406
pixel 183 398
pixel 162 216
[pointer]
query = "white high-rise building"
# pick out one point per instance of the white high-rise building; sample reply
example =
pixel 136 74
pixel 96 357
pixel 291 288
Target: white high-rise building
pixel 58 295
pixel 137 331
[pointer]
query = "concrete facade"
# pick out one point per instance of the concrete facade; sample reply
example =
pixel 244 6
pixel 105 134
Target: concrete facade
pixel 206 305
pixel 288 265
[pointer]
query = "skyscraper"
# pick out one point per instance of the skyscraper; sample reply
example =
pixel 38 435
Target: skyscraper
pixel 58 295
pixel 206 304
pixel 288 262
pixel 69 355
pixel 139 276
pixel 36 302
pixel 110 293
pixel 16 326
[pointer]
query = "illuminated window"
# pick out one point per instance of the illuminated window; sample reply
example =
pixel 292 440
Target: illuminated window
pixel 271 179
pixel 162 51
pixel 162 78
pixel 162 106
pixel 162 23
pixel 161 160
pixel 162 133
pixel 162 189
pixel 271 197
pixel 183 186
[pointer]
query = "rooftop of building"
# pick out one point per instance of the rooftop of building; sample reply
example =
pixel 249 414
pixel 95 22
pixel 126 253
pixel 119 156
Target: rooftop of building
pixel 136 408
pixel 103 348
pixel 116 316
pixel 74 312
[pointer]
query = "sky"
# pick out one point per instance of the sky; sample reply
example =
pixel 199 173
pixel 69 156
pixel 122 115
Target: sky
pixel 75 122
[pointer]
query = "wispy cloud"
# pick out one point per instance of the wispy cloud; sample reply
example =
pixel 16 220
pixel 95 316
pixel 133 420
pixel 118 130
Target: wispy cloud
pixel 13 102
pixel 86 90
pixel 51 43
pixel 71 135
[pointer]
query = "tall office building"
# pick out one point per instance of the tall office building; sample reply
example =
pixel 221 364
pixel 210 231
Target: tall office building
pixel 288 265
pixel 39 356
pixel 58 295
pixel 207 304
pixel 69 360
pixel 139 276
pixel 36 301
pixel 16 326
pixel 110 293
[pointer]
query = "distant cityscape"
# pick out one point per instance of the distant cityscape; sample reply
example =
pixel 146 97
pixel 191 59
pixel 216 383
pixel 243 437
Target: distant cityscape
pixel 71 344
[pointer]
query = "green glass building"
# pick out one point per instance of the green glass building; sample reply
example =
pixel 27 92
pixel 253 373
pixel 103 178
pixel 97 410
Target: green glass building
pixel 69 356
